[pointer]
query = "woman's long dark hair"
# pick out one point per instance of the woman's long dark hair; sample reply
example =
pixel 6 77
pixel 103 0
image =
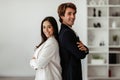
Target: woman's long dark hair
pixel 55 29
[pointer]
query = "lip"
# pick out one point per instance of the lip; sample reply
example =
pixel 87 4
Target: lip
pixel 47 34
pixel 72 20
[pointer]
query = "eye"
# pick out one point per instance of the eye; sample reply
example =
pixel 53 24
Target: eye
pixel 50 26
pixel 74 13
pixel 43 27
pixel 69 13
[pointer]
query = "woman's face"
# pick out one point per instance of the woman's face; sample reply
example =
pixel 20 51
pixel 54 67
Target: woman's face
pixel 47 29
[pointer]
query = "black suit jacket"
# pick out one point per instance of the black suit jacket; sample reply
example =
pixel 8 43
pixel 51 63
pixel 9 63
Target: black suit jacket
pixel 70 54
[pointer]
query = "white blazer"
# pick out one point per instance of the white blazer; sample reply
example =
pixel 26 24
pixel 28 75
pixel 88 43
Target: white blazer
pixel 47 61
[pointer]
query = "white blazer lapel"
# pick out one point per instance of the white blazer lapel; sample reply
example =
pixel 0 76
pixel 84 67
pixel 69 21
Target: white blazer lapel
pixel 38 50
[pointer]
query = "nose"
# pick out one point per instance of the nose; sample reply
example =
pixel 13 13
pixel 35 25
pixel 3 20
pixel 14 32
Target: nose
pixel 45 29
pixel 73 16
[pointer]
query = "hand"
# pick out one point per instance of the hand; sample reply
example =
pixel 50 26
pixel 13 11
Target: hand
pixel 33 64
pixel 33 58
pixel 36 69
pixel 81 46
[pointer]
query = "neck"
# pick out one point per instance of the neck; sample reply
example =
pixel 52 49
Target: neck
pixel 67 25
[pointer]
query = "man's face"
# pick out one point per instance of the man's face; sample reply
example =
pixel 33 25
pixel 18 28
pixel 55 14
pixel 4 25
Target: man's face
pixel 69 17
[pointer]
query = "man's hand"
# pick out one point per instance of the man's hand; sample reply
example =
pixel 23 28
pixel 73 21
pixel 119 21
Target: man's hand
pixel 81 46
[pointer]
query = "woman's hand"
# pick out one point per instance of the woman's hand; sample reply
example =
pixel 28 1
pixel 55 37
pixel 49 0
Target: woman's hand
pixel 33 57
pixel 33 63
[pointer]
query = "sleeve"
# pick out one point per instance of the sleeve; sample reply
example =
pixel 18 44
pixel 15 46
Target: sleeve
pixel 70 44
pixel 87 51
pixel 45 56
pixel 33 63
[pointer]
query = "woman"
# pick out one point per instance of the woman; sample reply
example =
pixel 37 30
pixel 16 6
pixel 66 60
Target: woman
pixel 46 60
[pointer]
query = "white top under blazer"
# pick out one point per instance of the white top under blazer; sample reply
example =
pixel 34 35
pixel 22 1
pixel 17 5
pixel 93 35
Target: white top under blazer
pixel 47 61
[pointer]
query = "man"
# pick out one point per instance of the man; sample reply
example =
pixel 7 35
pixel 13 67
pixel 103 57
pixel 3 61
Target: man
pixel 72 50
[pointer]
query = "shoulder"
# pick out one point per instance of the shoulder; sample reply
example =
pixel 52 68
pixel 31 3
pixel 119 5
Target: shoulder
pixel 66 32
pixel 65 29
pixel 51 41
